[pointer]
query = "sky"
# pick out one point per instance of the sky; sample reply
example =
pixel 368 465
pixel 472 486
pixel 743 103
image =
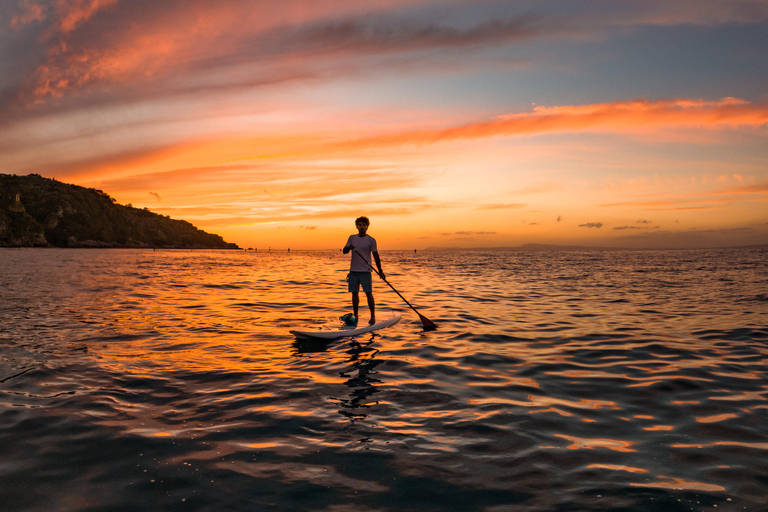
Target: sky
pixel 622 123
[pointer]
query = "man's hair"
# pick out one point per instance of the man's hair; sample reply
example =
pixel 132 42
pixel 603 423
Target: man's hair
pixel 364 220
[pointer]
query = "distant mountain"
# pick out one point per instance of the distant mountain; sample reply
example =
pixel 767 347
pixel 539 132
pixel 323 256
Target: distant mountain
pixel 41 212
pixel 530 248
pixel 576 248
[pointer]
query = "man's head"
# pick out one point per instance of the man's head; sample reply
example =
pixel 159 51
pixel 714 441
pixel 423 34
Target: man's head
pixel 362 223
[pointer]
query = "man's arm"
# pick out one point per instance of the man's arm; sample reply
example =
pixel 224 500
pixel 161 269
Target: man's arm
pixel 378 264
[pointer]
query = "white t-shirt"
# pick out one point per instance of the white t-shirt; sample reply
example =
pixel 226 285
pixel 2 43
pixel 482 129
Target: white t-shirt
pixel 366 245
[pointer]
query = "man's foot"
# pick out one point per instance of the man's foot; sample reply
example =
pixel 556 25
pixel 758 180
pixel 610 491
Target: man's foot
pixel 372 321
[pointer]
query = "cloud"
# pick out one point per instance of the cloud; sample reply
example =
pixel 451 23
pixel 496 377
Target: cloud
pixel 317 182
pixel 705 200
pixel 71 14
pixel 237 193
pixel 501 206
pixel 156 195
pixel 694 238
pixel 620 116
pixel 308 228
pixel 469 233
pixel 154 47
pixel 591 225
pixel 146 47
pixel 387 35
pixel 97 44
pixel 29 11
pixel 757 188
pixel 124 60
pixel 637 227
pixel 694 12
pixel 214 217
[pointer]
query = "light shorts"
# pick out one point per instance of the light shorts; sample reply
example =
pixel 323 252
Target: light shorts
pixel 360 278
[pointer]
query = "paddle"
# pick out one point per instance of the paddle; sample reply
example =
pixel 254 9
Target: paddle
pixel 428 324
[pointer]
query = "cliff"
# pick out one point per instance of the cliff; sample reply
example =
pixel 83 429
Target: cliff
pixel 41 212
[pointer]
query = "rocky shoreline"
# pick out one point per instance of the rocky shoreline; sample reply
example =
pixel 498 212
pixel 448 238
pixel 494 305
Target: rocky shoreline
pixel 42 212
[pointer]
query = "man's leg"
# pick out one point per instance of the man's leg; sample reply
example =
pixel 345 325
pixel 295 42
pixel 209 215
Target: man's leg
pixel 371 306
pixel 355 303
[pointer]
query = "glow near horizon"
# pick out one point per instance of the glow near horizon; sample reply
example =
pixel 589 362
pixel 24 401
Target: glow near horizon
pixel 447 123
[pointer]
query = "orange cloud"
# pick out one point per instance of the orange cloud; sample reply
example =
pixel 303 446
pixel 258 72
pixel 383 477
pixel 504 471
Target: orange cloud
pixel 699 201
pixel 31 11
pixel 73 12
pixel 501 206
pixel 130 45
pixel 622 116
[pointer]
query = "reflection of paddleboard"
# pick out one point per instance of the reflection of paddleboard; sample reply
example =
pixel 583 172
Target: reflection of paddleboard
pixel 330 333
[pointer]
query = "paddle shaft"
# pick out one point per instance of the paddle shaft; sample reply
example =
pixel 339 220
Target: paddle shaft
pixel 426 322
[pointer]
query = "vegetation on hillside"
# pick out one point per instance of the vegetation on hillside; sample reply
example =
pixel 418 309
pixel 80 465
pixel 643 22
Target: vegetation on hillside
pixel 37 211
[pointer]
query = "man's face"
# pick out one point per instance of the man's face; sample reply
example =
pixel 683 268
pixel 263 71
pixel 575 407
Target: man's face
pixel 362 227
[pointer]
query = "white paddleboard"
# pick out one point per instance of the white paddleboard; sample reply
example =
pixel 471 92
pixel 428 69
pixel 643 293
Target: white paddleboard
pixel 333 332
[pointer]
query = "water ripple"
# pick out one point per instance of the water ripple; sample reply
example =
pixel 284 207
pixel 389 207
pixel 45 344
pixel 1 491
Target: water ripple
pixel 163 380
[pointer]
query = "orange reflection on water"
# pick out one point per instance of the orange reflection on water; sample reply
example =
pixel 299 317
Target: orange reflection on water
pixel 659 427
pixel 617 467
pixel 262 446
pixel 716 418
pixel 745 396
pixel 543 401
pixel 283 410
pixel 753 375
pixel 759 446
pixel 406 382
pixel 324 379
pixel 507 382
pixel 397 424
pixel 581 443
pixel 553 409
pixel 428 414
pixel 411 431
pixel 643 384
pixel 678 484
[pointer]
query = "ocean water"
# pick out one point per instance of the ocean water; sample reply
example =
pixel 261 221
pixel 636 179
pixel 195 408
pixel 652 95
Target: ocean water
pixel 566 381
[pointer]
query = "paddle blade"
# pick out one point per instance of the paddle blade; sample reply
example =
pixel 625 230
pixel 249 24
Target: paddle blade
pixel 428 324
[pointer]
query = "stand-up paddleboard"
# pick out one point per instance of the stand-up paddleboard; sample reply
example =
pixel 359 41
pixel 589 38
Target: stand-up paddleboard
pixel 333 332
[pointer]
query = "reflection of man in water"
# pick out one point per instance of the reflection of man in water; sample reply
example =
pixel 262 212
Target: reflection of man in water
pixel 359 270
pixel 363 384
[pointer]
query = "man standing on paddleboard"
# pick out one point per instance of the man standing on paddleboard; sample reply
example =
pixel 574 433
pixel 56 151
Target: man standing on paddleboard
pixel 362 246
